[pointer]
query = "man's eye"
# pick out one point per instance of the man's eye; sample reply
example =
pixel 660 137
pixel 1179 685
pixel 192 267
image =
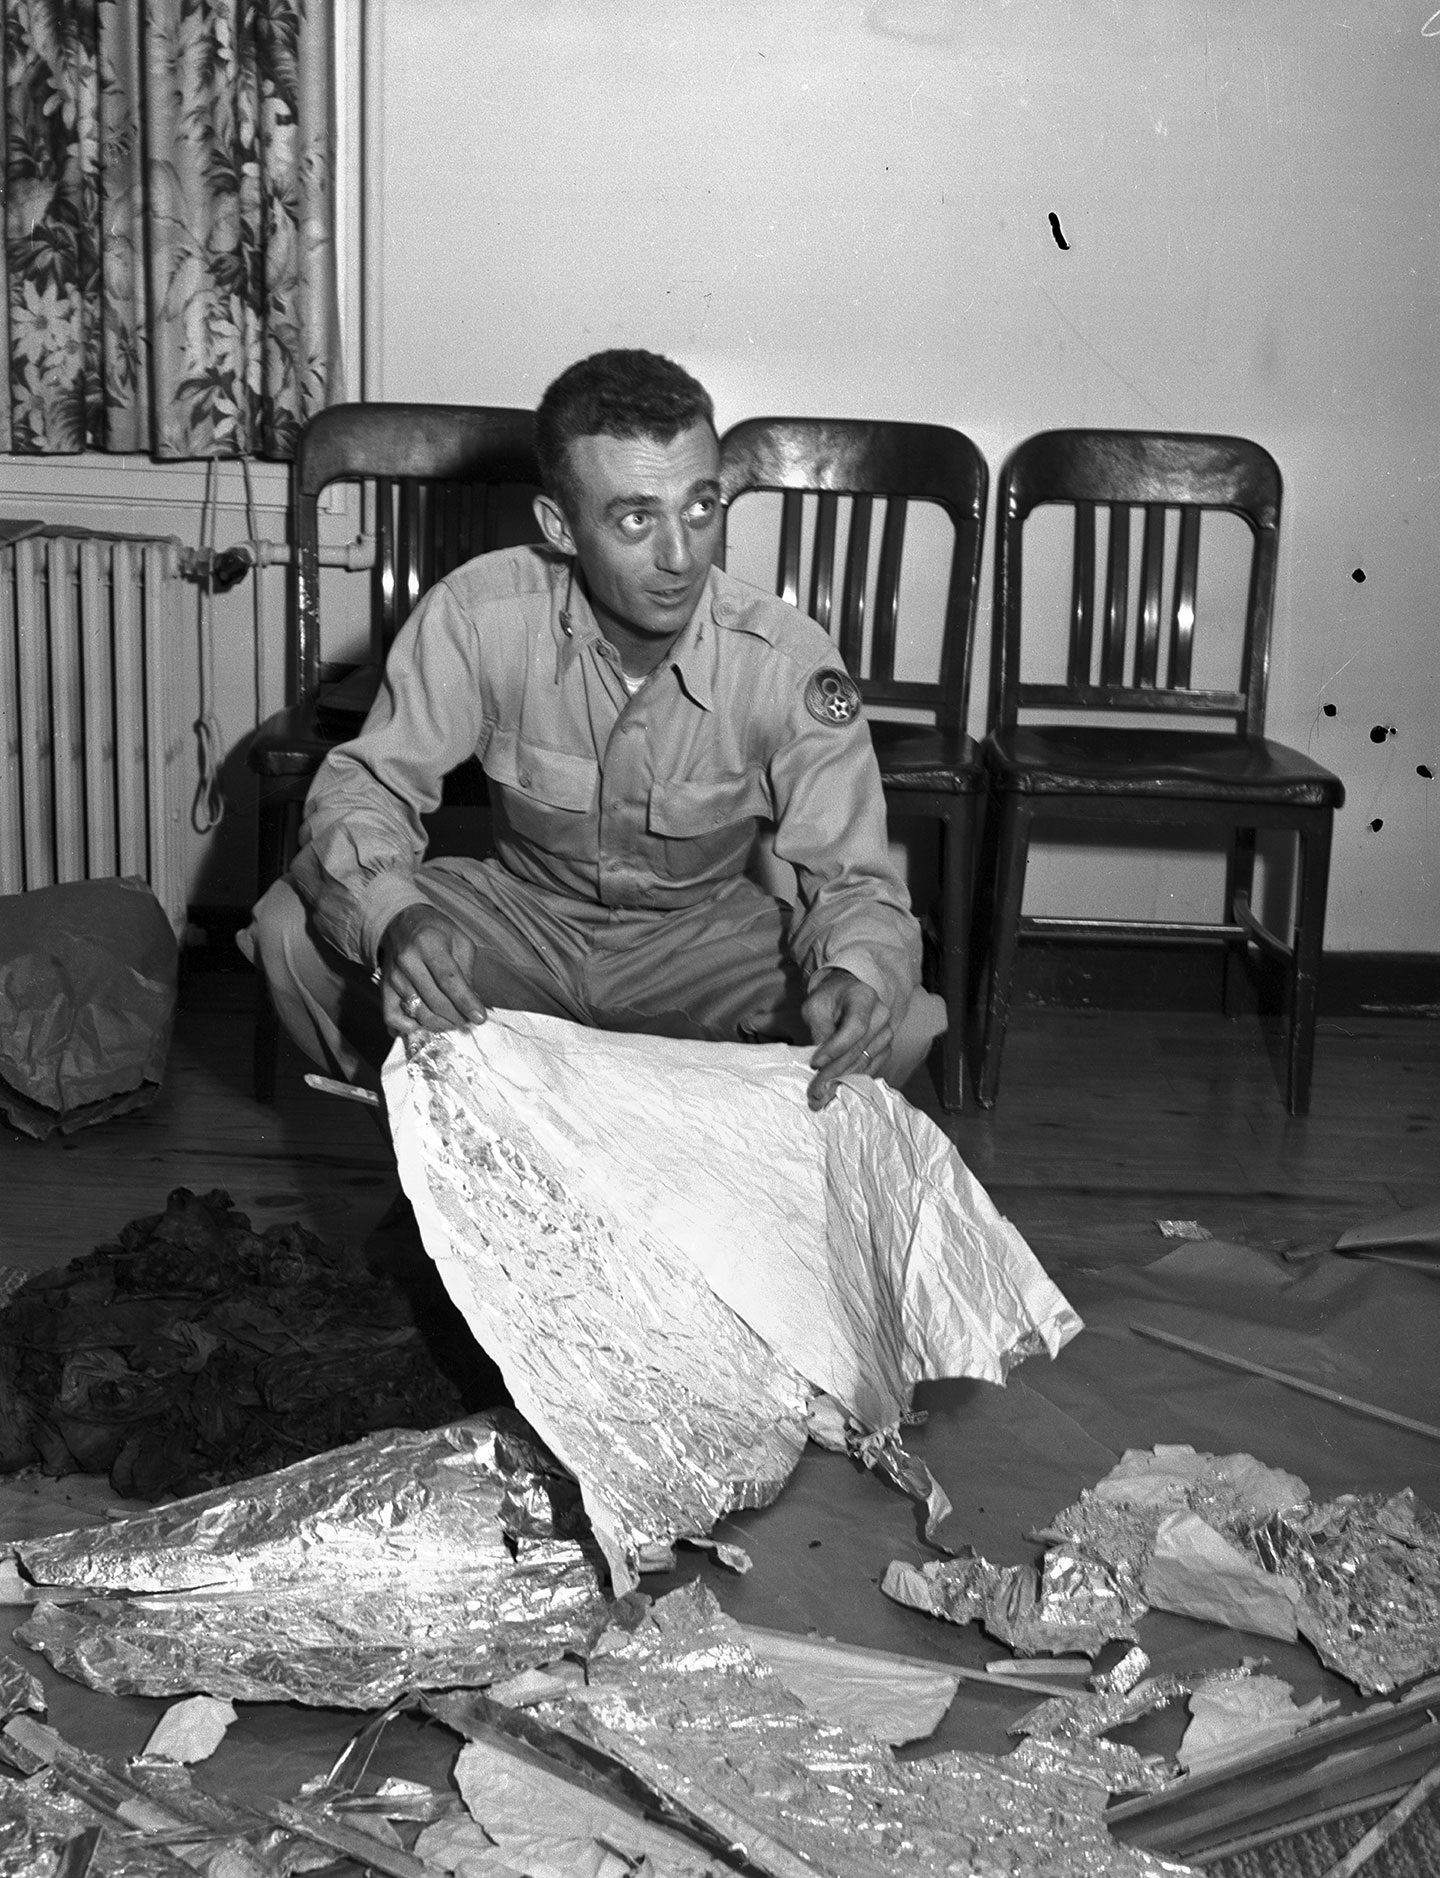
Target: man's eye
pixel 702 510
pixel 635 523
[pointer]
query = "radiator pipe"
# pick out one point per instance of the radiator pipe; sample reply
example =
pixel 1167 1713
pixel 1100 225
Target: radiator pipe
pixel 230 564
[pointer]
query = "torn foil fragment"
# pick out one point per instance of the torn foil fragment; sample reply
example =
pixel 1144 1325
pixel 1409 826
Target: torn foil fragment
pixel 20 1688
pixel 1118 1517
pixel 1122 1675
pixel 1084 1715
pixel 1094 1765
pixel 1369 1568
pixel 669 1254
pixel 1073 1603
pixel 690 1713
pixel 341 1581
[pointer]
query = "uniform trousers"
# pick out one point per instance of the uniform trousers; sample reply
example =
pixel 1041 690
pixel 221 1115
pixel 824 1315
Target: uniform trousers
pixel 720 970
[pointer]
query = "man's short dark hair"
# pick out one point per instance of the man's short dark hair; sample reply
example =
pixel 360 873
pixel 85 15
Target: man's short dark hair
pixel 614 394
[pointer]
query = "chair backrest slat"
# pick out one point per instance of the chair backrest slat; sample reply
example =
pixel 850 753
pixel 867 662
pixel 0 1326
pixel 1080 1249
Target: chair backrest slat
pixel 886 611
pixel 822 557
pixel 1182 618
pixel 1122 471
pixel 1117 596
pixel 853 594
pixel 449 481
pixel 1082 595
pixel 827 459
pixel 1152 574
pixel 792 527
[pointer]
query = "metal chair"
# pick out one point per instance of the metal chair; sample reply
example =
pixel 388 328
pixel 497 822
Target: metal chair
pixel 446 482
pixel 933 769
pixel 1139 659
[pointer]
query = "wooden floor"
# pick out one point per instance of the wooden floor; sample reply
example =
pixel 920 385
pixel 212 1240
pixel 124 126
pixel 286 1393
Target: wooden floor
pixel 1107 1122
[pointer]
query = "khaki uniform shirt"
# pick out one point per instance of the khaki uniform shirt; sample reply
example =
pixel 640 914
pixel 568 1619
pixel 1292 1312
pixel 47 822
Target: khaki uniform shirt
pixel 650 800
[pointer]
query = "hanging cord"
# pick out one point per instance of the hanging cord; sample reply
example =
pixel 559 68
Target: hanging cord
pixel 252 536
pixel 209 806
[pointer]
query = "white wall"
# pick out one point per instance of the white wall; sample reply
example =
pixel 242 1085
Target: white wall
pixel 829 206
pixel 841 207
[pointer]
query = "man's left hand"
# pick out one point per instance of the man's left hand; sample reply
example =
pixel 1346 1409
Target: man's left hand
pixel 851 1024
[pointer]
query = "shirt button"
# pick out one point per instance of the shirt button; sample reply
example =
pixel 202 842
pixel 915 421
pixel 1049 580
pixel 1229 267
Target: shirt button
pixel 524 779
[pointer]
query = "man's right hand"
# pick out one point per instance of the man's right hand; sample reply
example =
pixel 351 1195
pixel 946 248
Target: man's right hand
pixel 426 967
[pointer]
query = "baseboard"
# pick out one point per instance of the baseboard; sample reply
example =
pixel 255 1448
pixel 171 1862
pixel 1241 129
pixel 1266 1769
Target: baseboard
pixel 1068 974
pixel 1138 977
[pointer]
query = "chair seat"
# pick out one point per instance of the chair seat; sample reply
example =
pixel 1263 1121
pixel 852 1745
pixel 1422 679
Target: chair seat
pixel 290 743
pixel 289 747
pixel 1140 762
pixel 939 762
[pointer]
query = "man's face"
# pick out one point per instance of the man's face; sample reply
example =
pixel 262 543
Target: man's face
pixel 644 522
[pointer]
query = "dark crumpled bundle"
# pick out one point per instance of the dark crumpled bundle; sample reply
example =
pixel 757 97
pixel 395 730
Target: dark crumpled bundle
pixel 88 975
pixel 195 1352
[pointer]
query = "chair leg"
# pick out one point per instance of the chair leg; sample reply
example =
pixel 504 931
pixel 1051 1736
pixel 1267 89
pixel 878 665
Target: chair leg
pixel 1239 881
pixel 266 1047
pixel 957 867
pixel 1012 854
pixel 1311 892
pixel 273 824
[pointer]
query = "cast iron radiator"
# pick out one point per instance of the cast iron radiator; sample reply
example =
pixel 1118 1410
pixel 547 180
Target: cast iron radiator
pixel 91 741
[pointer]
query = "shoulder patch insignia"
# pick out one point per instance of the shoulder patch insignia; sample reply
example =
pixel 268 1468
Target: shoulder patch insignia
pixel 832 697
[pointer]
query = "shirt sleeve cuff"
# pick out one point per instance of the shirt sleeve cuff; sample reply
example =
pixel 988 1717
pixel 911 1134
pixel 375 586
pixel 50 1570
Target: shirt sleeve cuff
pixel 895 986
pixel 384 895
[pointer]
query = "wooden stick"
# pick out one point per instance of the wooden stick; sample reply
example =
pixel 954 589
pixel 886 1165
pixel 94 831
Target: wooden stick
pixel 1229 1810
pixel 1010 1682
pixel 1365 1849
pixel 352 1092
pixel 1291 1382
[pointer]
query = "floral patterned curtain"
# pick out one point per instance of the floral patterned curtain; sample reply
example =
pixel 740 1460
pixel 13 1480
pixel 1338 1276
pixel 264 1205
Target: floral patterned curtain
pixel 169 255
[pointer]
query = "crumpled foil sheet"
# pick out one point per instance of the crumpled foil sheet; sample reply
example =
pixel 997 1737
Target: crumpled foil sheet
pixel 1118 1517
pixel 37 1819
pixel 1074 1603
pixel 1104 1767
pixel 1370 1568
pixel 412 1559
pixel 20 1688
pixel 668 1253
pixel 1368 1565
pixel 1086 1714
pixel 146 1819
pixel 1122 1675
pixel 687 1708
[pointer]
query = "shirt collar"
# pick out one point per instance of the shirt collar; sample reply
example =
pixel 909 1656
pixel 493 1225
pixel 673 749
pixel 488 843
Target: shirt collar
pixel 693 654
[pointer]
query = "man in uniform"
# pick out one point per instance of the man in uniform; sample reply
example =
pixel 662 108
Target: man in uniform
pixel 640 716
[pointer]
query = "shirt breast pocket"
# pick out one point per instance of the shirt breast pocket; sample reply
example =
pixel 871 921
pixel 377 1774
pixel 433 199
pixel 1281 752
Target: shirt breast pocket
pixel 706 825
pixel 546 796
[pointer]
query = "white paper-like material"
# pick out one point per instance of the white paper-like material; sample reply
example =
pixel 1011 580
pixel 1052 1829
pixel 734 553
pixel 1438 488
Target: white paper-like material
pixel 877 1696
pixel 1199 1573
pixel 1234 1715
pixel 191 1730
pixel 668 1253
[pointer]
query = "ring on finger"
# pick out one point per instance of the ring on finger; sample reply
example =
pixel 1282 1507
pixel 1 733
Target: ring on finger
pixel 864 1056
pixel 413 1005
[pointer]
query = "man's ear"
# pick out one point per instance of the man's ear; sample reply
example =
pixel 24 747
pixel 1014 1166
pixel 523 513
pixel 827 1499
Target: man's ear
pixel 553 525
